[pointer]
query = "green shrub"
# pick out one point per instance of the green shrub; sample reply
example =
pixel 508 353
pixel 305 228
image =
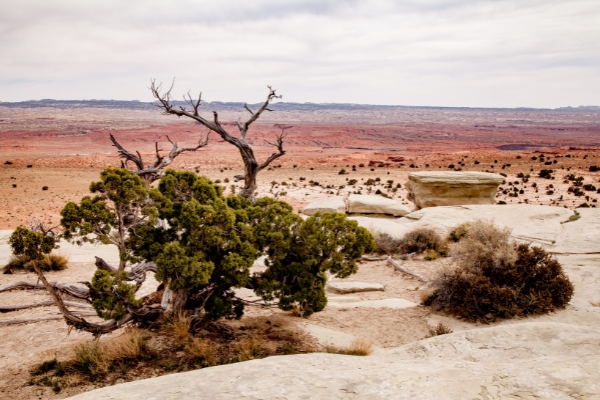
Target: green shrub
pixel 497 278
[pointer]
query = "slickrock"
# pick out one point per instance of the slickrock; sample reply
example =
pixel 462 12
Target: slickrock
pixel 451 188
pixel 535 360
pixel 326 205
pixel 531 223
pixel 580 236
pixel 367 204
pixel 354 287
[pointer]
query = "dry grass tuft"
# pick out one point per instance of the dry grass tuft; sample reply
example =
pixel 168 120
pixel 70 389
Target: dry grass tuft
pixel 203 352
pixel 95 359
pixel 249 348
pixel 358 347
pixel 54 261
pixel 181 326
pixel 440 329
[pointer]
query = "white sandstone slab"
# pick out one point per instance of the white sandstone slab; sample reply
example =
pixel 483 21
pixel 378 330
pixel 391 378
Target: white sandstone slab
pixel 326 205
pixel 369 204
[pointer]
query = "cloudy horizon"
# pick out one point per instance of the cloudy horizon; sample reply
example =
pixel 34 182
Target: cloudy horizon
pixel 452 53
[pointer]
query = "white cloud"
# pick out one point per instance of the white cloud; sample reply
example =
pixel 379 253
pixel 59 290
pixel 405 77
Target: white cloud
pixel 449 53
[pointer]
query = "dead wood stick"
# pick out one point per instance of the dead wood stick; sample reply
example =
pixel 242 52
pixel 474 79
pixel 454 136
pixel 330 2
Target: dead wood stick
pixel 365 258
pixel 43 303
pixel 406 271
pixel 75 291
pixel 22 321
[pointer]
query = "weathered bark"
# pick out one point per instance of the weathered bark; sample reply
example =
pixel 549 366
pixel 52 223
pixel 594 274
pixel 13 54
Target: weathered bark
pixel 154 171
pixel 137 272
pixel 173 301
pixel 251 166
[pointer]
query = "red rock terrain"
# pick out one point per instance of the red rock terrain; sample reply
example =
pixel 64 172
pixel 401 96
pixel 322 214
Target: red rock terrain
pixel 67 144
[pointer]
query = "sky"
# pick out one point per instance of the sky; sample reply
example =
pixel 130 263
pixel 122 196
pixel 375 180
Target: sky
pixel 453 53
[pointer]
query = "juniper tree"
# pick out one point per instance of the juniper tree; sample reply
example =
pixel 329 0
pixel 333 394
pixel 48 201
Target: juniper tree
pixel 204 250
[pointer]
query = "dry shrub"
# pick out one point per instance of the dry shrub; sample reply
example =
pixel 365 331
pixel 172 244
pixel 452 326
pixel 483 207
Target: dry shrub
pixel 459 232
pixel 438 330
pixel 181 325
pixel 203 352
pixel 50 262
pixel 249 348
pixel 386 243
pixel 422 239
pixel 358 347
pixel 497 278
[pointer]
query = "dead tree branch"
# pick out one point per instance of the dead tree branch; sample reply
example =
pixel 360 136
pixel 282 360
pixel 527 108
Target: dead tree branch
pixel 406 271
pixel 153 172
pixel 251 166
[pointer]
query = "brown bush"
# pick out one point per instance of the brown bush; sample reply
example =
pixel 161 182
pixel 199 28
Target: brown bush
pixel 422 239
pixel 386 243
pixel 497 278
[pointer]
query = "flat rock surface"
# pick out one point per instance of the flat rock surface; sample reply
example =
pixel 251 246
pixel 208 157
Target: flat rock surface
pixel 533 360
pixel 383 303
pixel 580 236
pixel 342 286
pixel 368 204
pixel 326 205
pixel 447 188
pixel 532 223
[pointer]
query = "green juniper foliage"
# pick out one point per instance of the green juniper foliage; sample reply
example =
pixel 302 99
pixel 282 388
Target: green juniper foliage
pixel 206 243
pixel 33 245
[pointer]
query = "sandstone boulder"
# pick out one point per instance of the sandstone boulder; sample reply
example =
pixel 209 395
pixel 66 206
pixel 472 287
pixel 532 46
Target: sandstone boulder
pixel 367 204
pixel 341 286
pixel 326 205
pixel 450 188
pixel 535 360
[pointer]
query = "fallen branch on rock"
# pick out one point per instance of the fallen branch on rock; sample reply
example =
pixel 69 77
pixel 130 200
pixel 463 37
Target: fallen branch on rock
pixel 43 303
pixel 406 271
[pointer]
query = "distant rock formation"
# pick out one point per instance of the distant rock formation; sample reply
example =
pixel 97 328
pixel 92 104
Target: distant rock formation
pixel 452 188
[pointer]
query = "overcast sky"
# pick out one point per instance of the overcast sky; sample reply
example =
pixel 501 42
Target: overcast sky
pixel 472 53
